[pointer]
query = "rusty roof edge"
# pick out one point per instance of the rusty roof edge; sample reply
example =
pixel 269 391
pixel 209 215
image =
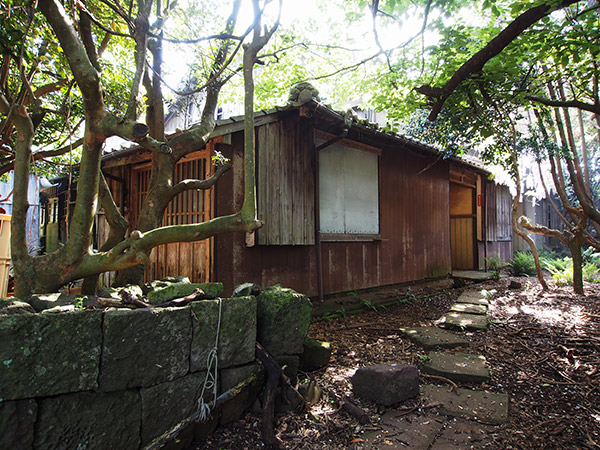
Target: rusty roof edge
pixel 312 106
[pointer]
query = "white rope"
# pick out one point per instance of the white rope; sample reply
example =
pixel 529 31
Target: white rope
pixel 210 380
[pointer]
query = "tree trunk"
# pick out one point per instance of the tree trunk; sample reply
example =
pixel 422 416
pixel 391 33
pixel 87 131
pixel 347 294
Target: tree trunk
pixel 518 231
pixel 576 255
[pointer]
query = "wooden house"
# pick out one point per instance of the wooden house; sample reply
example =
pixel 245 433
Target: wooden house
pixel 345 206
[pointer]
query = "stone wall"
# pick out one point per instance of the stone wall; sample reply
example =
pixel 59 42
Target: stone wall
pixel 115 379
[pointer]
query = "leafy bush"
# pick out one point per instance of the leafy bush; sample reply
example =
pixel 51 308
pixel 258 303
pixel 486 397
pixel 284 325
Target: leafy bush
pixel 592 256
pixel 522 264
pixel 562 270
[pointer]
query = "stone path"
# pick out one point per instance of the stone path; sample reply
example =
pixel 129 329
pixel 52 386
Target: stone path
pixel 450 417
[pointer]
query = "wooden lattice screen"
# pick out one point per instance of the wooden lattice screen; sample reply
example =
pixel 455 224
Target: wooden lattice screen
pixel 192 259
pixel 188 207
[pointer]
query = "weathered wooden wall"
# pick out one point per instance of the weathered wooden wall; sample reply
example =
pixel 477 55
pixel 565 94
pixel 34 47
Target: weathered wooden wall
pixel 285 182
pixel 234 263
pixel 414 228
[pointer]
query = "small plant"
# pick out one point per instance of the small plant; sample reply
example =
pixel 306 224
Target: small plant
pixel 494 264
pixel 79 302
pixel 342 312
pixel 369 305
pixel 355 295
pixel 423 359
pixel 410 296
pixel 522 264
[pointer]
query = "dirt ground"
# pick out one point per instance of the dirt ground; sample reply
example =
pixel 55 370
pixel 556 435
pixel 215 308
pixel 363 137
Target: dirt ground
pixel 542 348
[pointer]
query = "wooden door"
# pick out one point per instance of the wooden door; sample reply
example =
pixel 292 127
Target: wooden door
pixel 191 259
pixel 462 226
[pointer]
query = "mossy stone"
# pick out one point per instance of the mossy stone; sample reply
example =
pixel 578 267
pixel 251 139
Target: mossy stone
pixel 17 421
pixel 237 335
pixel 316 354
pixel 235 408
pixel 89 421
pixel 283 320
pixel 15 306
pixel 182 289
pixel 167 404
pixel 49 354
pixel 143 347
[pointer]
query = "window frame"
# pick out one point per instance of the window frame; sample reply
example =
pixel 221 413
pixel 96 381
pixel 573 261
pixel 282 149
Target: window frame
pixel 322 137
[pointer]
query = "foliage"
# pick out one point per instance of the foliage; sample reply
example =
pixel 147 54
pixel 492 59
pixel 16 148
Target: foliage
pixel 494 264
pixel 562 268
pixel 522 264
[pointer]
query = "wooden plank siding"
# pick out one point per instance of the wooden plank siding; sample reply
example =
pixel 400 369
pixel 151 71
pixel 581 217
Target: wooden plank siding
pixel 498 210
pixel 414 228
pixel 234 263
pixel 285 186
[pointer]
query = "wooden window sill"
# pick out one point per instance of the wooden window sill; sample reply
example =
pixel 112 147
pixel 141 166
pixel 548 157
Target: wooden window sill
pixel 343 237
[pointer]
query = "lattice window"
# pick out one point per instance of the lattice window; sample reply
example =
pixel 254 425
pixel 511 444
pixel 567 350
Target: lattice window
pixel 189 207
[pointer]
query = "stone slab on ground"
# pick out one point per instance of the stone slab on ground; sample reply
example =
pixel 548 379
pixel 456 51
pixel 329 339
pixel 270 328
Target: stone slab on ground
pixel 474 298
pixel 464 321
pixel 414 432
pixel 472 275
pixel 459 433
pixel 469 308
pixel 482 406
pixel 459 367
pixel 432 337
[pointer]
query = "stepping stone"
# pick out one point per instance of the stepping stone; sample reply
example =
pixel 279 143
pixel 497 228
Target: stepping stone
pixel 482 406
pixel 469 308
pixel 460 433
pixel 464 321
pixel 432 337
pixel 457 367
pixel 409 431
pixel 473 297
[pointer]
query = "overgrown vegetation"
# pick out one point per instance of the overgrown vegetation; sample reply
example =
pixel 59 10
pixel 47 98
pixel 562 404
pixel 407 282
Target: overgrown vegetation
pixel 560 267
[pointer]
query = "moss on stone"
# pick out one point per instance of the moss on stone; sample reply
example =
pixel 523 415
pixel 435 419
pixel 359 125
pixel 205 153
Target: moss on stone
pixel 181 289
pixel 283 320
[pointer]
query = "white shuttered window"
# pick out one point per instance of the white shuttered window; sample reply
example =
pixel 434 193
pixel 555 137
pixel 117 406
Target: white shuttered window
pixel 348 191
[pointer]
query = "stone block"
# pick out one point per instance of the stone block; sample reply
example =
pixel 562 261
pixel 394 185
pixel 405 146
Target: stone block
pixel 237 335
pixel 316 354
pixel 182 289
pixel 17 421
pixel 482 406
pixel 386 384
pixel 432 337
pixel 461 367
pixel 14 306
pixel 143 347
pixel 234 409
pixel 89 421
pixel 464 321
pixel 469 308
pixel 167 404
pixel 399 432
pixel 283 320
pixel 474 297
pixel 43 355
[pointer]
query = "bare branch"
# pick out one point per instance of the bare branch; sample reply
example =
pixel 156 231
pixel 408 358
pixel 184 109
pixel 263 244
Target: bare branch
pixel 188 185
pixel 593 108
